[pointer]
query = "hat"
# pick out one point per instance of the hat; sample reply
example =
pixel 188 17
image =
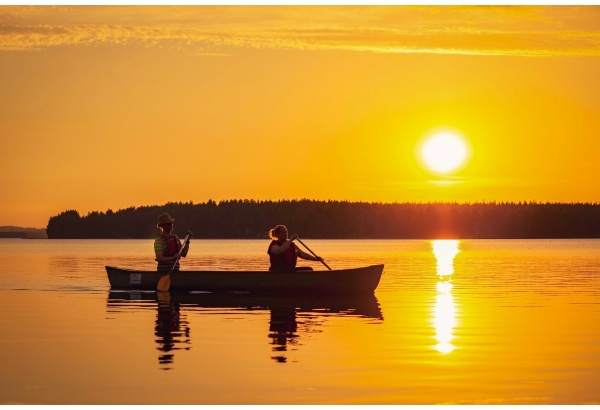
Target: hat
pixel 165 219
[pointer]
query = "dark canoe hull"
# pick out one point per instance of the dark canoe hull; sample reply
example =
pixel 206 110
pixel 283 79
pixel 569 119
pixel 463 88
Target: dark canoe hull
pixel 355 280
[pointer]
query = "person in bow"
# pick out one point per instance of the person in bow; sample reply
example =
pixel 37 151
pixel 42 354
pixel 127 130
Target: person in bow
pixel 283 252
pixel 167 245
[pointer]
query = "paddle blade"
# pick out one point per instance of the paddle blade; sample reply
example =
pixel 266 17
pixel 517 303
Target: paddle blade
pixel 164 284
pixel 163 297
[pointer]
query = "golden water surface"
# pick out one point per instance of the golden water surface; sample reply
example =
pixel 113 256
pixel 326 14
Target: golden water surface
pixel 452 321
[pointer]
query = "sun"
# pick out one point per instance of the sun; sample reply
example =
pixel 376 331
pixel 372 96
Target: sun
pixel 444 152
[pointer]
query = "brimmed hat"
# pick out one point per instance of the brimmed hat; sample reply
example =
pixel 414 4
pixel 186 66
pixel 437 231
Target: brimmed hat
pixel 165 219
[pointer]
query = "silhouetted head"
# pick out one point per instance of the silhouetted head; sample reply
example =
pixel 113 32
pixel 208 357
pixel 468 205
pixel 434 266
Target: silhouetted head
pixel 280 232
pixel 165 222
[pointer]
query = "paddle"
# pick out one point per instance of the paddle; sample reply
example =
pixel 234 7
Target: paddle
pixel 321 260
pixel 164 283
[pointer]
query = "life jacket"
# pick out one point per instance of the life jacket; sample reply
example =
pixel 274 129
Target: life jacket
pixel 285 261
pixel 172 245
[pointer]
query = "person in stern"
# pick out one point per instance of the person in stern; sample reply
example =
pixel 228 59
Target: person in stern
pixel 167 245
pixel 284 253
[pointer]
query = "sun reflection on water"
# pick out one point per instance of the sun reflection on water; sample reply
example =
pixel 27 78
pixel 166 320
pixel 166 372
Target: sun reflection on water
pixel 444 313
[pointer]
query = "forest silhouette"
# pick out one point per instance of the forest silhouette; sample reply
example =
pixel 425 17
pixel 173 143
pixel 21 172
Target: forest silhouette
pixel 244 219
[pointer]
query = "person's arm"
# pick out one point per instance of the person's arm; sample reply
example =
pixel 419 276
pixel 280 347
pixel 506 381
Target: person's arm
pixel 276 249
pixel 158 251
pixel 306 256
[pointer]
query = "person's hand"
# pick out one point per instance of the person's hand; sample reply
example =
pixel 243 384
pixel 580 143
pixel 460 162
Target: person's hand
pixel 319 259
pixel 294 236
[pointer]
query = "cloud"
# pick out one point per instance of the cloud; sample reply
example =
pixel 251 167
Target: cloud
pixel 515 31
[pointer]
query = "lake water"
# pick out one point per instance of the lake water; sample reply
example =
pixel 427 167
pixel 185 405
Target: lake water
pixel 458 322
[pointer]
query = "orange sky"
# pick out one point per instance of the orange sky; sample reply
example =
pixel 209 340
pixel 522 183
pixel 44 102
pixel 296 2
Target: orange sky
pixel 110 107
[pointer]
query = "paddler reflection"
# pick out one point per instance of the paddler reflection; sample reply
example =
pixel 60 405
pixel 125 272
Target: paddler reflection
pixel 172 329
pixel 282 331
pixel 293 317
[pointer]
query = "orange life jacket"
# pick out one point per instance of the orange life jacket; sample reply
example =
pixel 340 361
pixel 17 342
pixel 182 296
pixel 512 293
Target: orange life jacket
pixel 172 245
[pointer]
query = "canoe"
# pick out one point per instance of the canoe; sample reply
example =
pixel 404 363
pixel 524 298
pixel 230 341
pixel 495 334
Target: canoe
pixel 353 280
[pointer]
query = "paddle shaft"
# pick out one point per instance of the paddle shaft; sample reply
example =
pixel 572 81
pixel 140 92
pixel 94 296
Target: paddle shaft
pixel 320 260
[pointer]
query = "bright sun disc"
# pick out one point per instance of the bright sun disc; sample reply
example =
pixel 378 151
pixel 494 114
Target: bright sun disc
pixel 444 152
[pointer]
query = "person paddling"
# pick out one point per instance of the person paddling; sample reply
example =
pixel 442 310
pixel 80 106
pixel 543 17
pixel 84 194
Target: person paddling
pixel 167 245
pixel 284 253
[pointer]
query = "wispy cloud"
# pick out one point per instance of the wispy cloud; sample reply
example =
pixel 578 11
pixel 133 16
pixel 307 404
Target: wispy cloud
pixel 512 30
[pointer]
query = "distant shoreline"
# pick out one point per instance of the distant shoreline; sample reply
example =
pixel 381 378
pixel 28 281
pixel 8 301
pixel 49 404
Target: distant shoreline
pixel 23 233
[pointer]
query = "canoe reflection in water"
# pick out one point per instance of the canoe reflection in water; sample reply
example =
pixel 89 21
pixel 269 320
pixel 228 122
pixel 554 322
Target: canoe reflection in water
pixel 173 332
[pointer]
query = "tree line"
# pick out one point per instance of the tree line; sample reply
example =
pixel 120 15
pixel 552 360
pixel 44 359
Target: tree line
pixel 243 219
